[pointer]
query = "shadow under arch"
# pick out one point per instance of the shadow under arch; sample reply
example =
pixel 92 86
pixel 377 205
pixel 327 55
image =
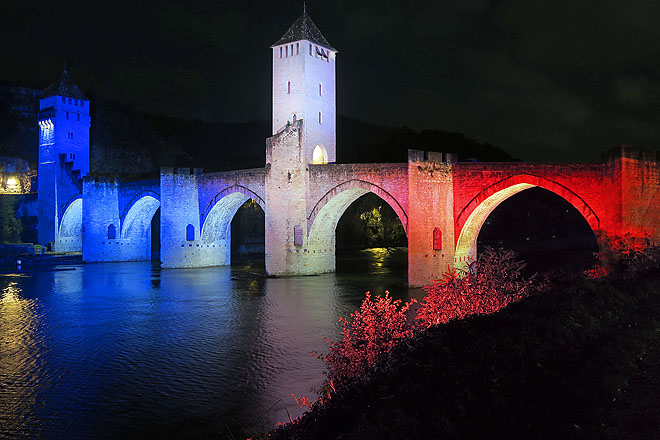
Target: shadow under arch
pixel 472 217
pixel 69 237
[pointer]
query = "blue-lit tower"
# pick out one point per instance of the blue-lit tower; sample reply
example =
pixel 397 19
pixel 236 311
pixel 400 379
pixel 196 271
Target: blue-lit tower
pixel 64 124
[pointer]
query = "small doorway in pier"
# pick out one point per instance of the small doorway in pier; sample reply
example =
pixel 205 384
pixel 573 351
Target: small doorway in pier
pixel 544 229
pixel 247 236
pixel 370 239
pixel 155 237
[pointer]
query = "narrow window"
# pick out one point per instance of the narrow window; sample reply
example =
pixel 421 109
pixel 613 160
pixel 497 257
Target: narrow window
pixel 67 116
pixel 297 48
pixel 286 51
pixel 320 90
pixel 190 233
pixel 280 51
pixel 112 232
pixel 288 87
pixel 437 239
pixel 78 115
pixel 297 235
pixel 310 48
pixel 319 117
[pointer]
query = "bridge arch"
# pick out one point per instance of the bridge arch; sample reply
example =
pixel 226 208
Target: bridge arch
pixel 69 237
pixel 328 210
pixel 474 214
pixel 136 219
pixel 215 236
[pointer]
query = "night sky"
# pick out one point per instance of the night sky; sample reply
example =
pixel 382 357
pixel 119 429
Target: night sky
pixel 545 80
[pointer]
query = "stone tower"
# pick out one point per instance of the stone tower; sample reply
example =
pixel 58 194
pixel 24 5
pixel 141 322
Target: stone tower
pixel 304 88
pixel 64 124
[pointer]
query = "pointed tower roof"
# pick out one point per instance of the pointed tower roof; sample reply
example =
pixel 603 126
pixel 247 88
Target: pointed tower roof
pixel 64 86
pixel 304 29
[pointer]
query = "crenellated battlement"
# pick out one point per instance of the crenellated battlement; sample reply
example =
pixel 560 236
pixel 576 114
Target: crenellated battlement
pixel 181 171
pixel 629 152
pixel 431 156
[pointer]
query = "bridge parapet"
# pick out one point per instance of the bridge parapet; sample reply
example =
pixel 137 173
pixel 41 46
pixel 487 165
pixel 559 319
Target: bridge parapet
pixel 629 152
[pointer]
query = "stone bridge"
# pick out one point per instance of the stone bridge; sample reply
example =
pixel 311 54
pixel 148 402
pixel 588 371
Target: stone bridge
pixel 442 205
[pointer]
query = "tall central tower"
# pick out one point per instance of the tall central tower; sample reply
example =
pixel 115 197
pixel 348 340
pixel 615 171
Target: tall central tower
pixel 304 88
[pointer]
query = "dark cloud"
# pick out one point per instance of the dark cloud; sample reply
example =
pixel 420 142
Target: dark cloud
pixel 545 80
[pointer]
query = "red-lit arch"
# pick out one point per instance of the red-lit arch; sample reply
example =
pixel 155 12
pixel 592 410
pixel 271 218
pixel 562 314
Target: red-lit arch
pixel 471 218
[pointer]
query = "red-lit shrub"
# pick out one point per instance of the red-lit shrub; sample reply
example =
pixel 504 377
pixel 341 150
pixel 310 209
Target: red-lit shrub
pixel 373 329
pixel 490 283
pixel 626 258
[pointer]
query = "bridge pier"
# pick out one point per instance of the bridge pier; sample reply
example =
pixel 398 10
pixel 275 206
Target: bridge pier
pixel 430 213
pixel 288 248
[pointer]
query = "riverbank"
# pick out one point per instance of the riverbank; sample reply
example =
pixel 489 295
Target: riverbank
pixel 548 367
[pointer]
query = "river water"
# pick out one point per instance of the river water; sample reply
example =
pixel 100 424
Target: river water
pixel 127 350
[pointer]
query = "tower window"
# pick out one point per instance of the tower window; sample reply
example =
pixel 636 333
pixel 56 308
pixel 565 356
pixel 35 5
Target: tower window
pixel 280 51
pixel 69 100
pixel 286 51
pixel 70 135
pixel 320 90
pixel 288 87
pixel 63 100
pixel 67 116
pixel 82 103
pixel 320 121
pixel 75 102
pixel 190 233
pixel 310 48
pixel 78 116
pixel 297 48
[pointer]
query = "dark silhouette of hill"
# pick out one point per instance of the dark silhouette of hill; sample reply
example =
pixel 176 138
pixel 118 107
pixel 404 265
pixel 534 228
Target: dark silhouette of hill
pixel 132 144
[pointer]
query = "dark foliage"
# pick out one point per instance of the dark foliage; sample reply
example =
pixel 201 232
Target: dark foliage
pixel 546 367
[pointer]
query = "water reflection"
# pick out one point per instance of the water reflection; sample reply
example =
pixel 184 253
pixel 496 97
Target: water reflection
pixel 22 359
pixel 109 349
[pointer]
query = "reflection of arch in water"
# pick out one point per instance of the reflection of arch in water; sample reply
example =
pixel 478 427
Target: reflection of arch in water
pixel 136 226
pixel 322 221
pixel 69 237
pixel 473 216
pixel 215 236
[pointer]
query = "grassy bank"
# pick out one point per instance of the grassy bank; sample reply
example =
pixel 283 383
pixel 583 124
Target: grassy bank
pixel 547 367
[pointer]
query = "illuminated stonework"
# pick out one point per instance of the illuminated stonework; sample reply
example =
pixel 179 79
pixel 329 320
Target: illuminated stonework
pixel 466 248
